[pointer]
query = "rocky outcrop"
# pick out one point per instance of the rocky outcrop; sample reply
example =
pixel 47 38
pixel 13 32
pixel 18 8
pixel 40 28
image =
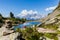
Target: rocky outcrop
pixel 6 32
pixel 11 36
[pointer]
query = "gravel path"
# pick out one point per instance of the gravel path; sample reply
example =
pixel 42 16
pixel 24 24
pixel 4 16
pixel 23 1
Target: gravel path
pixel 42 30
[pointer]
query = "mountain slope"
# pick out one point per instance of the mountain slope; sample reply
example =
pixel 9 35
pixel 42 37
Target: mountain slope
pixel 53 14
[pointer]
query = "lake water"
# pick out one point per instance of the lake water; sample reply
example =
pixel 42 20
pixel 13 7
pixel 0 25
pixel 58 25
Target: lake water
pixel 28 24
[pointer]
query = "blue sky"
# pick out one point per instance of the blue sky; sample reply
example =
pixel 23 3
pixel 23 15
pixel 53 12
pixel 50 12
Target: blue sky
pixel 17 6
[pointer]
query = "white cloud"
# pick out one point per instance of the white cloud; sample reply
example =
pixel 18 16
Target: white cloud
pixel 30 14
pixel 25 12
pixel 50 8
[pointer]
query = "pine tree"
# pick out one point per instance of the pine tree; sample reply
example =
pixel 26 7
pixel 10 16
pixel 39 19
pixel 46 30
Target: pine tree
pixel 11 15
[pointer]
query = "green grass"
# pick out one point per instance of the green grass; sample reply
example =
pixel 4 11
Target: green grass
pixel 51 36
pixel 33 34
pixel 58 15
pixel 49 26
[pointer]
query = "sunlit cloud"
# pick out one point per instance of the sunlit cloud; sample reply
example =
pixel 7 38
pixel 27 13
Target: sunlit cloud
pixel 50 8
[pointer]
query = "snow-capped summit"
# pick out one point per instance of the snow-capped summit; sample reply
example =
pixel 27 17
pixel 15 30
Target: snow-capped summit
pixel 30 15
